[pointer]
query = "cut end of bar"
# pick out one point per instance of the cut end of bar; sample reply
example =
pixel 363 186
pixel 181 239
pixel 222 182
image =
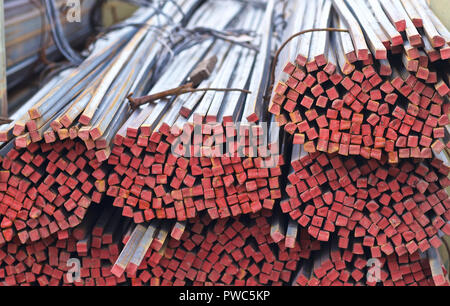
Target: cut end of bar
pixel 348 68
pixel 385 70
pixel 185 112
pixel 62 134
pixel 330 68
pixel 418 22
pixel 277 236
pixel 81 247
pixel 95 133
pixel 49 137
pixel 73 132
pixel 23 236
pixel 34 113
pixel 131 268
pixel 437 41
pixel 102 155
pixel 131 132
pixel 363 54
pixel 413 53
pixel 381 54
pixel 415 40
pixel 84 120
pixel 290 242
pixel 65 121
pixel 351 57
pixel 100 143
pixel 253 118
pixel 31 125
pixel 55 125
pixel 118 140
pixel 18 129
pixel 301 60
pixel 176 233
pixel 439 280
pixel 8 234
pixel 83 133
pixel 397 40
pixel 198 119
pixel 311 66
pixel 175 130
pixel 3 136
pixel 320 60
pixel 21 141
pixel 35 136
pixel 444 53
pixel 211 119
pixel 146 130
pixel 78 234
pixel 400 25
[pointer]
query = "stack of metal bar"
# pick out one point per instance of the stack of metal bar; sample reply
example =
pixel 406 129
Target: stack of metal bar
pixel 398 208
pixel 51 170
pixel 367 113
pixel 333 266
pixel 90 250
pixel 174 159
pixel 166 126
pixel 380 88
pixel 230 251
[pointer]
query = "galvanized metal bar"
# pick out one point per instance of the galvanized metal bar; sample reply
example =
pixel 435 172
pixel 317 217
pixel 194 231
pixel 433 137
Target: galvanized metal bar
pixel 354 28
pixel 253 106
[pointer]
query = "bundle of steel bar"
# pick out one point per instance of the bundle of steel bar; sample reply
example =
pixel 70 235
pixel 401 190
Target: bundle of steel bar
pixel 89 251
pixel 396 208
pixel 175 159
pixel 381 87
pixel 51 165
pixel 189 180
pixel 98 244
pixel 48 188
pixel 231 251
pixel 201 252
pixel 40 263
pixel 332 266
